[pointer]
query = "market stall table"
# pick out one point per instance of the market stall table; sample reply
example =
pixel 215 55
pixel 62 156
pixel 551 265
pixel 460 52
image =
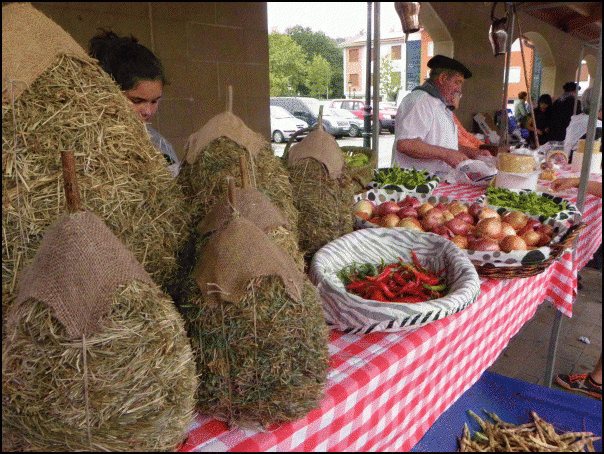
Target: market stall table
pixel 385 390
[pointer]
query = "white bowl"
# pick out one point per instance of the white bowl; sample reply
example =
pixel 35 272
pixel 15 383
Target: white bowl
pixel 352 314
pixel 517 180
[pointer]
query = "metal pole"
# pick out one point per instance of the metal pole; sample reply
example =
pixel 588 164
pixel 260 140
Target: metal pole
pixel 376 77
pixel 508 54
pixel 367 106
pixel 585 168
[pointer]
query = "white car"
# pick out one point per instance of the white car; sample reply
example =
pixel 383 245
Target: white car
pixel 356 124
pixel 284 124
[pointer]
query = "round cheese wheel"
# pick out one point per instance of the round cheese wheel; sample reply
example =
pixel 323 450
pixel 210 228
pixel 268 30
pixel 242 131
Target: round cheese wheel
pixel 515 163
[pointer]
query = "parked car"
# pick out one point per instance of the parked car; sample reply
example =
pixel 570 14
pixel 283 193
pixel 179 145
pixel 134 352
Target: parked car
pixel 386 116
pixel 307 109
pixel 357 125
pixel 284 124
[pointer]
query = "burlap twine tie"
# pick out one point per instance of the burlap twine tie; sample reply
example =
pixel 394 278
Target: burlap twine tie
pixel 78 267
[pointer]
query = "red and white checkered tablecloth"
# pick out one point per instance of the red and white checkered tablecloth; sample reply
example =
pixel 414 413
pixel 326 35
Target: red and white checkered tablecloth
pixel 385 390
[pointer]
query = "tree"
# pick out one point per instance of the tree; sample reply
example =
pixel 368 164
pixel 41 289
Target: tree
pixel 287 65
pixel 319 75
pixel 390 82
pixel 316 43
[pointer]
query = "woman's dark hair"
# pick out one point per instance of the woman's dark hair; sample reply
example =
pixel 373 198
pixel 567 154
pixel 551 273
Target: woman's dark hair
pixel 125 60
pixel 545 99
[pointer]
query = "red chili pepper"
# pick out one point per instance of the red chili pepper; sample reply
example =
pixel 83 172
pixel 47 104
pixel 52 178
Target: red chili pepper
pixel 384 274
pixel 356 285
pixel 384 288
pixel 416 261
pixel 399 279
pixel 376 295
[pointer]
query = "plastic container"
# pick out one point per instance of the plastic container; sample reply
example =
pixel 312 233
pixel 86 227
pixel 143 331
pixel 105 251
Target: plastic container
pixel 596 162
pixel 517 180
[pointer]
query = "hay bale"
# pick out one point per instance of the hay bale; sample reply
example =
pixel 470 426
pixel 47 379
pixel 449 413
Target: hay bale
pixel 140 378
pixel 204 181
pixel 264 359
pixel 121 176
pixel 325 205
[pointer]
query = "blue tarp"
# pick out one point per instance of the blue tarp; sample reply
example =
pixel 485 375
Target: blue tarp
pixel 512 400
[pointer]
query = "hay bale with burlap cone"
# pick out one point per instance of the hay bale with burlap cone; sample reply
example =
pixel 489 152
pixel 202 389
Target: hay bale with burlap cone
pixel 95 356
pixel 257 329
pixel 55 98
pixel 213 153
pixel 322 189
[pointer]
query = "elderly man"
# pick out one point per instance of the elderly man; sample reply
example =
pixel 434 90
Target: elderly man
pixel 425 130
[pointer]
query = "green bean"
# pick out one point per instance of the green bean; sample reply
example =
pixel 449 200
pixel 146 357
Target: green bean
pixel 527 202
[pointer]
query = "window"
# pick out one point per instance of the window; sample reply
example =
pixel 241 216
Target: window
pixel 354 80
pixel 514 75
pixel 353 55
pixel 395 53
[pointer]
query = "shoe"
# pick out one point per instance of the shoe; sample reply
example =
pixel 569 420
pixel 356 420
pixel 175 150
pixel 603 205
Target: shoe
pixel 583 383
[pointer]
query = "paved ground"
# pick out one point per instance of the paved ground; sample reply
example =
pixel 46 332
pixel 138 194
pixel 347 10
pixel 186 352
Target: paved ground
pixel 525 356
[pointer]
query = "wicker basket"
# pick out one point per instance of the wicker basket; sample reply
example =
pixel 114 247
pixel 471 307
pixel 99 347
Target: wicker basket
pixel 513 272
pixel 362 175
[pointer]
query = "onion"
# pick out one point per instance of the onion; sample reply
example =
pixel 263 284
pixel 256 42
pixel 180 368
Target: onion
pixel 546 229
pixel 531 224
pixel 432 218
pixel 424 208
pixel 410 223
pixel 488 213
pixel 544 240
pixel 364 209
pixel 516 219
pixel 457 207
pixel 390 220
pixel 386 208
pixel 458 227
pixel 483 244
pixel 507 230
pixel 460 241
pixel 375 220
pixel 488 227
pixel 443 231
pixel 447 215
pixel 475 209
pixel 466 217
pixel 407 211
pixel 530 237
pixel 410 201
pixel 512 243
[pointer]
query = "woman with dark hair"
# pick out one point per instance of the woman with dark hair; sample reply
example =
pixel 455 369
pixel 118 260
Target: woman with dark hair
pixel 140 75
pixel 541 120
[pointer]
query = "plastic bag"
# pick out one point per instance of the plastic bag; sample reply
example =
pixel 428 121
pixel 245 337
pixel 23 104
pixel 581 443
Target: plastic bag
pixel 478 172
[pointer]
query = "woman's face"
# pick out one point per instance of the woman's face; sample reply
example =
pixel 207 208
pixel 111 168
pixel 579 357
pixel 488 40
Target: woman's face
pixel 145 97
pixel 543 107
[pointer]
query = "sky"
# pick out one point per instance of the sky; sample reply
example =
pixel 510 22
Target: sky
pixel 336 20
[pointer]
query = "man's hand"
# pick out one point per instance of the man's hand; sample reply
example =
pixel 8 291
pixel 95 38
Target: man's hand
pixel 473 153
pixel 453 158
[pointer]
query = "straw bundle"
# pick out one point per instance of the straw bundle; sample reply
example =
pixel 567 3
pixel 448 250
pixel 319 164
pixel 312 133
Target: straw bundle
pixel 204 181
pixel 121 176
pixel 325 205
pixel 133 390
pixel 264 359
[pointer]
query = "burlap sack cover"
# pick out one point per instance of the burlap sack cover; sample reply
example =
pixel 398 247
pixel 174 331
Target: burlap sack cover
pixel 22 59
pixel 228 125
pixel 239 252
pixel 319 145
pixel 78 267
pixel 251 204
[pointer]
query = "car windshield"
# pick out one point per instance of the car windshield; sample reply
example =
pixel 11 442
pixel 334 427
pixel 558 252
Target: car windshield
pixel 280 112
pixel 344 113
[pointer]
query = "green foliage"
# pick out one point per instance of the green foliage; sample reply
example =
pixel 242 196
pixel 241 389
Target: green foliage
pixel 287 65
pixel 305 63
pixel 390 82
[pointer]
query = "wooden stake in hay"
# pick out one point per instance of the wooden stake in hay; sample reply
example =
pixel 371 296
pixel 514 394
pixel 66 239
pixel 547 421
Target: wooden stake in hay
pixel 95 356
pixel 140 381
pixel 74 105
pixel 257 329
pixel 322 191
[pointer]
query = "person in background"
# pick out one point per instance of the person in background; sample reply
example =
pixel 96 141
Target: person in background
pixel 425 132
pixel 464 138
pixel 590 383
pixel 577 128
pixel 540 122
pixel 521 112
pixel 141 77
pixel 562 110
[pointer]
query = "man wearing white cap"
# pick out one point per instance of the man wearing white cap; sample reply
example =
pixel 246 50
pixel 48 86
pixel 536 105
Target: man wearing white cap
pixel 425 131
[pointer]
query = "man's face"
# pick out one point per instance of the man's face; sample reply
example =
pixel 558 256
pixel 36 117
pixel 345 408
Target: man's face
pixel 449 86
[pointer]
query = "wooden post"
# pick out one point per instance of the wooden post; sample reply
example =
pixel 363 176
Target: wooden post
pixel 70 182
pixel 245 179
